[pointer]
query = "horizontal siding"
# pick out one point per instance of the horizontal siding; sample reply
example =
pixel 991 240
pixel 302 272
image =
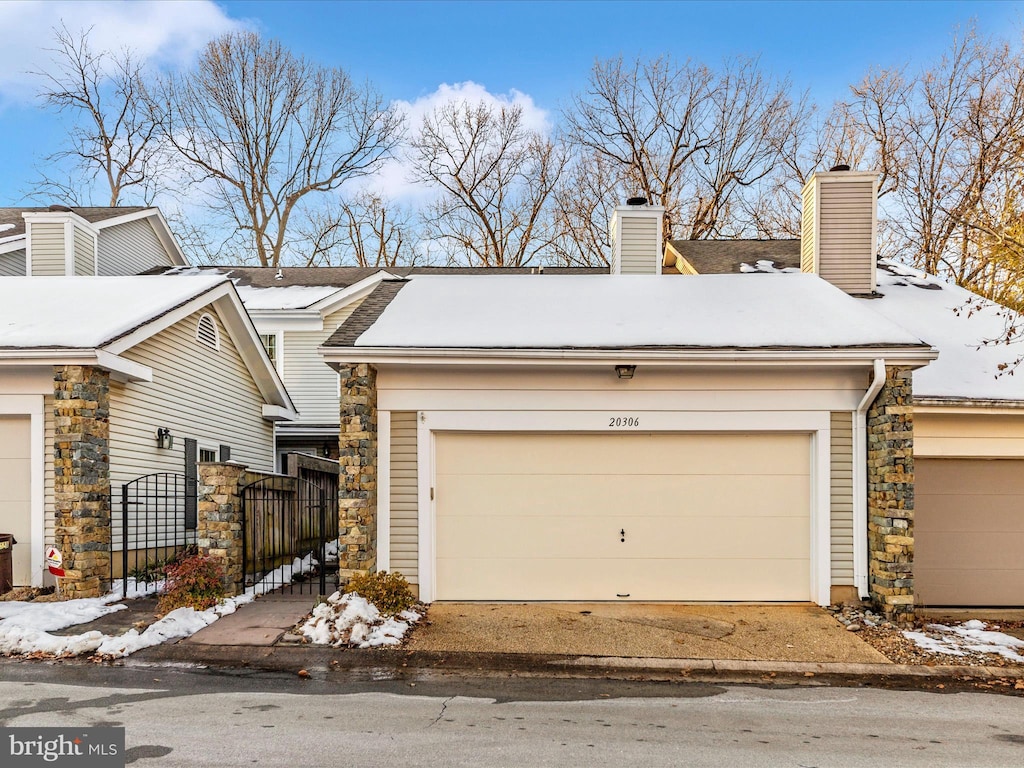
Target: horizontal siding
pixel 404 508
pixel 131 248
pixel 842 498
pixel 640 246
pixel 85 253
pixel 196 392
pixel 12 264
pixel 47 244
pixel 845 244
pixel 312 384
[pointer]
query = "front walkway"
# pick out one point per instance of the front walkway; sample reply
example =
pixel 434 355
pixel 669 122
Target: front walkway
pixel 646 630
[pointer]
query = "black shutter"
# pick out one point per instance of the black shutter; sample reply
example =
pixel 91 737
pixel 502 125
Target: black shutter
pixel 225 453
pixel 191 484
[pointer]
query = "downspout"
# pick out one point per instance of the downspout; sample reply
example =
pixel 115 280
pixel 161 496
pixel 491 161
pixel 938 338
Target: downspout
pixel 860 483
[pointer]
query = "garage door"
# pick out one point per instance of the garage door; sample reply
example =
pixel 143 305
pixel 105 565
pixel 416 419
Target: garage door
pixel 608 517
pixel 15 488
pixel 969 532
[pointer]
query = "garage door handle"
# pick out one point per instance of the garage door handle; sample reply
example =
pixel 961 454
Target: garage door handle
pixel 618 594
pixel 622 535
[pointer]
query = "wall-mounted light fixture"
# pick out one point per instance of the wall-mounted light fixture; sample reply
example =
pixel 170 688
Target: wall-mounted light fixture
pixel 625 371
pixel 164 438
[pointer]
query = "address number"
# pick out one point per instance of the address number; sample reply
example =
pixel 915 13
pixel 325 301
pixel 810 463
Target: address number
pixel 623 421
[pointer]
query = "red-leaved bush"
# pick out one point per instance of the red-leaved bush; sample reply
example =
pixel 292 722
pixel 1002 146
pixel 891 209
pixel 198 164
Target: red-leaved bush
pixel 194 581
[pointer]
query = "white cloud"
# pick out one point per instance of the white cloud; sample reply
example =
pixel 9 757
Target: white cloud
pixel 165 33
pixel 393 179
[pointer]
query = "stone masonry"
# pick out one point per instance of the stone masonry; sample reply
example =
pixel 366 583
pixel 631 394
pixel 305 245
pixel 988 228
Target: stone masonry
pixel 219 530
pixel 890 428
pixel 81 467
pixel 357 484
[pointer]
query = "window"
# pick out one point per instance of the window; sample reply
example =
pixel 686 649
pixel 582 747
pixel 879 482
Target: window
pixel 206 331
pixel 270 345
pixel 207 455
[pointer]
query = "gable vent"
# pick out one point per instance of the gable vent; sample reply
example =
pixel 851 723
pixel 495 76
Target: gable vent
pixel 206 332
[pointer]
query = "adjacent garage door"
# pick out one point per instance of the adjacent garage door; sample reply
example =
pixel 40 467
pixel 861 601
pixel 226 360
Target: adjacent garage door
pixel 15 490
pixel 638 517
pixel 969 532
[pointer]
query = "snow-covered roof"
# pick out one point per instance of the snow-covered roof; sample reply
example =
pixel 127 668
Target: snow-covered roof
pixel 87 312
pixel 559 312
pixel 287 297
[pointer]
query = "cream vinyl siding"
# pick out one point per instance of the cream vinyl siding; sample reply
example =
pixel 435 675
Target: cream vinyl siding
pixel 16 493
pixel 85 252
pixel 196 392
pixel 640 246
pixel 404 507
pixel 12 264
pixel 807 229
pixel 842 498
pixel 47 245
pixel 49 513
pixel 131 248
pixel 846 248
pixel 968 435
pixel 312 384
pixel 686 517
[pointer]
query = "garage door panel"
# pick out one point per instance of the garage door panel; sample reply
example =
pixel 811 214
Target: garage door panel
pixel 706 454
pixel 599 537
pixel 15 492
pixel 17 483
pixel 15 431
pixel 969 532
pixel 636 496
pixel 594 579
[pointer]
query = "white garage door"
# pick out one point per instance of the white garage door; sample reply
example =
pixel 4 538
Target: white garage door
pixel 15 490
pixel 609 517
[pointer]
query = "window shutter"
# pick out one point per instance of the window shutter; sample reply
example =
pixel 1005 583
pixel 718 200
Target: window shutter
pixel 225 453
pixel 191 484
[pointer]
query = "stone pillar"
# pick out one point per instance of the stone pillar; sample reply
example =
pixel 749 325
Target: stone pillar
pixel 219 531
pixel 81 482
pixel 357 484
pixel 890 432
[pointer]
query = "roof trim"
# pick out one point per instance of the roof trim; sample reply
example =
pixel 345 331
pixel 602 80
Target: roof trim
pixel 950 404
pixel 345 296
pixel 121 368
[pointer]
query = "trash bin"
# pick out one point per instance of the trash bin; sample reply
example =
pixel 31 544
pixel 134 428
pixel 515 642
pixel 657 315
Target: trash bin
pixel 7 543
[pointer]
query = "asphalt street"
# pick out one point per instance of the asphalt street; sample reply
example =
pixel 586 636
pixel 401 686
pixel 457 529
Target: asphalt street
pixel 195 717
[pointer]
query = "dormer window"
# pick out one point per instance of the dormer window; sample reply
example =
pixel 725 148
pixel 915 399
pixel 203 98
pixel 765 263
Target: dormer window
pixel 206 332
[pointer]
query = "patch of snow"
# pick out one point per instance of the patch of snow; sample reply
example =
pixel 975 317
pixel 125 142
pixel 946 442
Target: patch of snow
pixel 285 297
pixel 50 616
pixel 6 227
pixel 352 620
pixel 971 637
pixel 34 310
pixel 622 311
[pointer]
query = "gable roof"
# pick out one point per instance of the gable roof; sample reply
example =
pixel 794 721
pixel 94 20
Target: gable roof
pixel 12 223
pixel 724 257
pixel 623 312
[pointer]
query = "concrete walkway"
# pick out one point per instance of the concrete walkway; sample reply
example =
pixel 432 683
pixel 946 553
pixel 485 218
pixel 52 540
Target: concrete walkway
pixel 803 633
pixel 259 623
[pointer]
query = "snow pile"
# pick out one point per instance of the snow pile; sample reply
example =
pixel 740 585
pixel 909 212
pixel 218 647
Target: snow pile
pixel 969 638
pixel 353 620
pixel 48 617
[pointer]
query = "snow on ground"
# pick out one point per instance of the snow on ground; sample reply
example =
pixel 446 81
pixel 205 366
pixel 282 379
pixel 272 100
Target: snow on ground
pixel 353 620
pixel 584 311
pixel 970 638
pixel 25 626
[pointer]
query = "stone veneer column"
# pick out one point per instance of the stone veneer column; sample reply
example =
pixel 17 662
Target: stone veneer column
pixel 357 484
pixel 81 483
pixel 219 531
pixel 890 428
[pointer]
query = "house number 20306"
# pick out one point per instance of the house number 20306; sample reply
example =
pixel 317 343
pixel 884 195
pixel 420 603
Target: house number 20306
pixel 623 421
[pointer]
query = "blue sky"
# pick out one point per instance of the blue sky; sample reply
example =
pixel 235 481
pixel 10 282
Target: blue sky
pixel 541 49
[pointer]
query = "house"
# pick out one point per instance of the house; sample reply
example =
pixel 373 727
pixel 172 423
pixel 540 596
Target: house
pixel 642 436
pixel 106 378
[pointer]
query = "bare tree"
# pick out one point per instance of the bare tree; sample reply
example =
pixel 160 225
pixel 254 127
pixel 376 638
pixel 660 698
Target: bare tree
pixel 495 177
pixel 112 154
pixel 584 199
pixel 367 231
pixel 692 139
pixel 269 130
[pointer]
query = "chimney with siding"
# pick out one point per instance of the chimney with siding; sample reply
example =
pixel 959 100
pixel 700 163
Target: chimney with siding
pixel 59 243
pixel 838 232
pixel 636 234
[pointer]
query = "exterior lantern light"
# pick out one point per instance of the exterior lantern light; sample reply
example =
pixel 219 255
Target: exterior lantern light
pixel 164 438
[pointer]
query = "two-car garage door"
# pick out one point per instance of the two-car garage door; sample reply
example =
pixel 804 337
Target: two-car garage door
pixel 15 491
pixel 622 516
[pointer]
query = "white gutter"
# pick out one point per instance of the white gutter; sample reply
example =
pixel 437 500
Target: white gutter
pixel 120 368
pixel 860 484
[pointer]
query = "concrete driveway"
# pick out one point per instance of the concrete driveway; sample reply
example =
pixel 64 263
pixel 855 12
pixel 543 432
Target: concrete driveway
pixel 647 630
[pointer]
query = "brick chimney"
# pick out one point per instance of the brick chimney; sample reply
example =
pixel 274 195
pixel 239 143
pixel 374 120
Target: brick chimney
pixel 636 234
pixel 839 229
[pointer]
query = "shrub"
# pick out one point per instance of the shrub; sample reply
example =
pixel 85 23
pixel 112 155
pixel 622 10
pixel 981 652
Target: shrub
pixel 195 582
pixel 390 592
